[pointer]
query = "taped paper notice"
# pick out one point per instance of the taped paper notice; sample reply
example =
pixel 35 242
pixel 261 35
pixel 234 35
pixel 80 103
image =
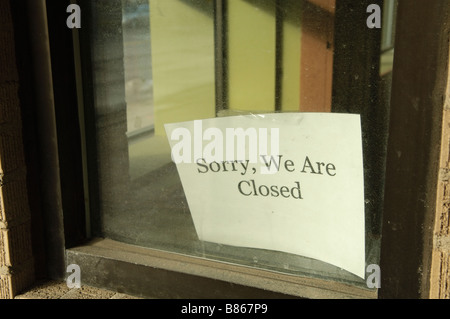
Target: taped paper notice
pixel 290 182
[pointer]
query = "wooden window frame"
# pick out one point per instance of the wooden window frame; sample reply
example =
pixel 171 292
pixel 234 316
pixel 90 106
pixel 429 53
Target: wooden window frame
pixel 410 189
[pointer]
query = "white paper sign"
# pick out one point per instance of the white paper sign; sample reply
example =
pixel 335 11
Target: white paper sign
pixel 290 182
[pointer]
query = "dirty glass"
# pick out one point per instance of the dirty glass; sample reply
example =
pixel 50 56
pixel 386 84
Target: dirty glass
pixel 165 61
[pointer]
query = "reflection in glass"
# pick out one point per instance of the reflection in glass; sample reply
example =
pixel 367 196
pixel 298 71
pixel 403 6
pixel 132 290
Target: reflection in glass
pixel 195 59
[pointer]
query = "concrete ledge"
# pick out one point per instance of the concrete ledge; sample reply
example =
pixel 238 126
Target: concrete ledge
pixel 147 272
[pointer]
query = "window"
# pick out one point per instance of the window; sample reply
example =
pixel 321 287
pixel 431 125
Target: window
pixel 153 62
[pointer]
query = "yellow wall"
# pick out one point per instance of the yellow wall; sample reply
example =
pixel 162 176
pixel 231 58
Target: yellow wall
pixel 251 55
pixel 182 39
pixel 290 81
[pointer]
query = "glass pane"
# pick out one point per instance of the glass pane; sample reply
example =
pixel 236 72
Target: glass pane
pixel 183 60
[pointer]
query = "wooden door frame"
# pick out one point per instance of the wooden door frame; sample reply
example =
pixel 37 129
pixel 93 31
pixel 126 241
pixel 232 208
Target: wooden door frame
pixel 413 206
